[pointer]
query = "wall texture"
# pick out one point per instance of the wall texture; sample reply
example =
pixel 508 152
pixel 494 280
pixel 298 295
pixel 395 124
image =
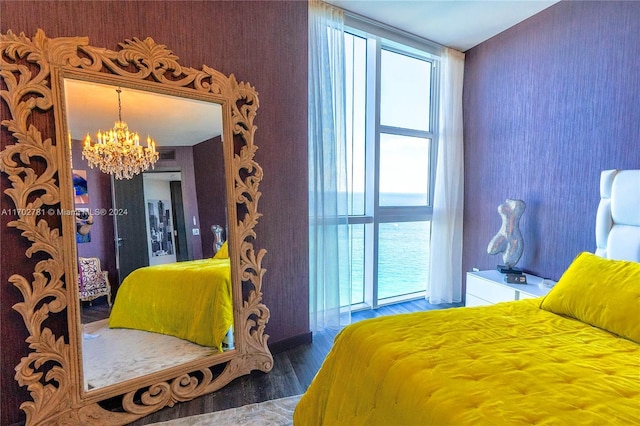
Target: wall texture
pixel 264 43
pixel 101 244
pixel 208 165
pixel 548 104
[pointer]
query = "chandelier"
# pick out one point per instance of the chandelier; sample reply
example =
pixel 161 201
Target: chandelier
pixel 118 151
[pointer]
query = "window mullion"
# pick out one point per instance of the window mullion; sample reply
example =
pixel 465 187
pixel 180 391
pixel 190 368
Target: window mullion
pixel 406 132
pixel 372 144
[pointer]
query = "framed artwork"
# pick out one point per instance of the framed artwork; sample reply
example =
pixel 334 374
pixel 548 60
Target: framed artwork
pixel 80 189
pixel 160 227
pixel 83 225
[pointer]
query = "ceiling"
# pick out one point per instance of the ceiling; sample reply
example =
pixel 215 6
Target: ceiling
pixel 460 24
pixel 169 120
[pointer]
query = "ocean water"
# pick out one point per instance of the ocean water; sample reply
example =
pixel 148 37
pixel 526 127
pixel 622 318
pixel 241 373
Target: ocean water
pixel 403 257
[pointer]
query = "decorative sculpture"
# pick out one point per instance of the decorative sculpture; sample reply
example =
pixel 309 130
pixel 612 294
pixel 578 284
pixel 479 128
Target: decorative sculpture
pixel 218 240
pixel 508 240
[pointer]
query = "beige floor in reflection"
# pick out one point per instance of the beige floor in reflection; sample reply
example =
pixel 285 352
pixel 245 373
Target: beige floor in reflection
pixel 115 355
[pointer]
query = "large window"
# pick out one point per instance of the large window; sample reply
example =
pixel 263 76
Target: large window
pixel 391 151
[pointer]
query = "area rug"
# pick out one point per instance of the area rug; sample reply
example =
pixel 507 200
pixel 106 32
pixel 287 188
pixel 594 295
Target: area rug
pixel 277 412
pixel 114 355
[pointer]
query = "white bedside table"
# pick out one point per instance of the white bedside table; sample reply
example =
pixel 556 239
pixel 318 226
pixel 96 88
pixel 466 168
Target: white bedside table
pixel 489 287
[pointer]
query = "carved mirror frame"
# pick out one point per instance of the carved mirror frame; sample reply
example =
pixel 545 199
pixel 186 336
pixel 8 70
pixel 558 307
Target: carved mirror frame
pixel 37 166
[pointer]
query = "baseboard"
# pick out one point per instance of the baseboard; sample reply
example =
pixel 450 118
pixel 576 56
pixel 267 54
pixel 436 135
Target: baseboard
pixel 290 343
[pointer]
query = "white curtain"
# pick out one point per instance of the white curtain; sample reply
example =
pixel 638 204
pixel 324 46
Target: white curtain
pixel 329 260
pixel 445 269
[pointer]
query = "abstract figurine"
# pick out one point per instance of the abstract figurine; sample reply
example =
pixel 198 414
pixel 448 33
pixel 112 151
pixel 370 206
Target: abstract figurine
pixel 218 240
pixel 508 240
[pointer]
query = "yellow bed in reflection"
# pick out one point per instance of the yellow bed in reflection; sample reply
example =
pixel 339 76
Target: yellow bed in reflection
pixel 190 300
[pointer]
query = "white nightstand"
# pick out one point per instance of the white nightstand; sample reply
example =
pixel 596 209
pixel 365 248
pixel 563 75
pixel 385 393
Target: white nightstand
pixel 489 287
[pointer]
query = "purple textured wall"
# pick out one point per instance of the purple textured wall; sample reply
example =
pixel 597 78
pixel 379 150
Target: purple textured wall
pixel 548 104
pixel 208 167
pixel 261 42
pixel 102 243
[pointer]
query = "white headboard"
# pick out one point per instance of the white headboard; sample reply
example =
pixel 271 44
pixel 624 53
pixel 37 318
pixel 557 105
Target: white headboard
pixel 618 218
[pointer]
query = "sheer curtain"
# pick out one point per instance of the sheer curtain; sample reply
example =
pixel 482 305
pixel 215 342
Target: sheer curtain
pixel 445 269
pixel 329 260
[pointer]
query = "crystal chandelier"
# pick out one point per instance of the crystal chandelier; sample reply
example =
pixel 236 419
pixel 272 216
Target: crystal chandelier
pixel 118 151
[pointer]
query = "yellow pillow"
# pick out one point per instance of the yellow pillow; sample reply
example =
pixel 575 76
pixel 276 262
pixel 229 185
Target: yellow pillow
pixel 223 253
pixel 601 292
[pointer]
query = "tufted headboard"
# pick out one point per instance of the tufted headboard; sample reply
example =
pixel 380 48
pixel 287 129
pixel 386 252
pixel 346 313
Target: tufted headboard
pixel 618 217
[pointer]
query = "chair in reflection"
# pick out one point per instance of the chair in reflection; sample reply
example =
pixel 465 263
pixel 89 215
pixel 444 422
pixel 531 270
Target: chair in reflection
pixel 93 282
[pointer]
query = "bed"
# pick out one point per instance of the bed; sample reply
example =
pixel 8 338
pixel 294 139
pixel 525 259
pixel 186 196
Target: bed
pixel 572 357
pixel 191 300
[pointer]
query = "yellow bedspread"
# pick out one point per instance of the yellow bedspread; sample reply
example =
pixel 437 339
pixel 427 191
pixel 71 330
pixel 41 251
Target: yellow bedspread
pixel 506 364
pixel 190 300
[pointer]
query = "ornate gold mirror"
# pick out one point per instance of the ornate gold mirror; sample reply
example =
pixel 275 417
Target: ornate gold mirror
pixel 43 78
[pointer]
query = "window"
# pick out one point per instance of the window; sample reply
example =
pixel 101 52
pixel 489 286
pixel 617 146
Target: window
pixel 391 150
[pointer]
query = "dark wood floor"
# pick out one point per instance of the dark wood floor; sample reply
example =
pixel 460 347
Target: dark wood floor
pixel 291 375
pixel 94 311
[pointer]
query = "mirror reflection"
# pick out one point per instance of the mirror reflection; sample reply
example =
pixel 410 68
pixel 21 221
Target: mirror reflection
pixel 153 243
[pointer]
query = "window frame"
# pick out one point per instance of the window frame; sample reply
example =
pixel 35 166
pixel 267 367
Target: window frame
pixel 378 38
